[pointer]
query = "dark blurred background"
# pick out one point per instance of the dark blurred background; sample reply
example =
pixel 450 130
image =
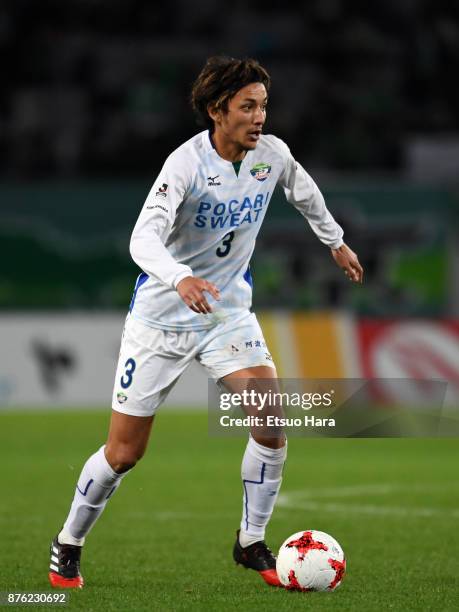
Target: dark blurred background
pixel 95 95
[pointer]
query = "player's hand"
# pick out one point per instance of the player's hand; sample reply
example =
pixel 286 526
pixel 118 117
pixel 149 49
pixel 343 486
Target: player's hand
pixel 348 261
pixel 191 290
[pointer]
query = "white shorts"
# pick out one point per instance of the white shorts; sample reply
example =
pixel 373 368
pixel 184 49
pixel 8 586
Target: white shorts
pixel 151 360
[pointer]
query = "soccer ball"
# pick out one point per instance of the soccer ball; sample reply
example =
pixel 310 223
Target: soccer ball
pixel 311 561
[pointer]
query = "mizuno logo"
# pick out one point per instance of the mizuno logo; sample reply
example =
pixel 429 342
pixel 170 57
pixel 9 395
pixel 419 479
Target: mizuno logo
pixel 211 182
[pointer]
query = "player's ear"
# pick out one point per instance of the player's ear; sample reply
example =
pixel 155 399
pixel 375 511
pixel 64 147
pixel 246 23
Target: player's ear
pixel 214 113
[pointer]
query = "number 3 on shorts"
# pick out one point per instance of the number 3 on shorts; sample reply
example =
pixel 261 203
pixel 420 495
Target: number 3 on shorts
pixel 130 369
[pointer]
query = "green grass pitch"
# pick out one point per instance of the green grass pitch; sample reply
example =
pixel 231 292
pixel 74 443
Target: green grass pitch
pixel 164 542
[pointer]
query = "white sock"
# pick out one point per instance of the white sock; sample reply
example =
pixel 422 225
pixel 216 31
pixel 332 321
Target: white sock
pixel 261 473
pixel 96 485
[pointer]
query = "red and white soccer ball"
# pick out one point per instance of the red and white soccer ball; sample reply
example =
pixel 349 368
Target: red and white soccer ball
pixel 311 561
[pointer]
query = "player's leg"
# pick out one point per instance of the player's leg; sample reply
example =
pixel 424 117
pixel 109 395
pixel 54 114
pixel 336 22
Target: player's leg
pixel 261 473
pixel 236 354
pixel 100 477
pixel 145 376
pixel 103 472
pixel 127 440
pixel 263 380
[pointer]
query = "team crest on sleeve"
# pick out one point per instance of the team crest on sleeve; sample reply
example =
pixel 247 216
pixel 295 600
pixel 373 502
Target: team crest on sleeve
pixel 261 171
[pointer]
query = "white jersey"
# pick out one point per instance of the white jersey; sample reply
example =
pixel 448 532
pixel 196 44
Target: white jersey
pixel 201 219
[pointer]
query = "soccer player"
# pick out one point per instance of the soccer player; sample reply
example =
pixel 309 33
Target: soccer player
pixel 193 240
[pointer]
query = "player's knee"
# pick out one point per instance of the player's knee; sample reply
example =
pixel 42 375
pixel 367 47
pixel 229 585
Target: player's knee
pixel 123 458
pixel 278 441
pixel 123 466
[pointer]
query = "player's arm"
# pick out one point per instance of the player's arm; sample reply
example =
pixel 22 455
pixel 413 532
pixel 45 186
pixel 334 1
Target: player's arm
pixel 301 191
pixel 153 228
pixel 147 246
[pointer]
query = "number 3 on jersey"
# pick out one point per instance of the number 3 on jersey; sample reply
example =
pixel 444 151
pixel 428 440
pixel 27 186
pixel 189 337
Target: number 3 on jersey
pixel 126 379
pixel 223 250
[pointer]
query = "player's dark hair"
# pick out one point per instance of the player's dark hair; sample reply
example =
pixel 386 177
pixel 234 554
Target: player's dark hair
pixel 220 79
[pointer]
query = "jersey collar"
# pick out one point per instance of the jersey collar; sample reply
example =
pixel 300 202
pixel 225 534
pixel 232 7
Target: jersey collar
pixel 210 148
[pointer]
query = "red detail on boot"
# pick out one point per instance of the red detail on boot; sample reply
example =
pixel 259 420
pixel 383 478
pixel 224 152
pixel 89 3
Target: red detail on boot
pixel 340 568
pixel 293 584
pixel 270 577
pixel 59 582
pixel 306 543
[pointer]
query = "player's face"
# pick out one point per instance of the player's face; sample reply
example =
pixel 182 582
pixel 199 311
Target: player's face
pixel 242 124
